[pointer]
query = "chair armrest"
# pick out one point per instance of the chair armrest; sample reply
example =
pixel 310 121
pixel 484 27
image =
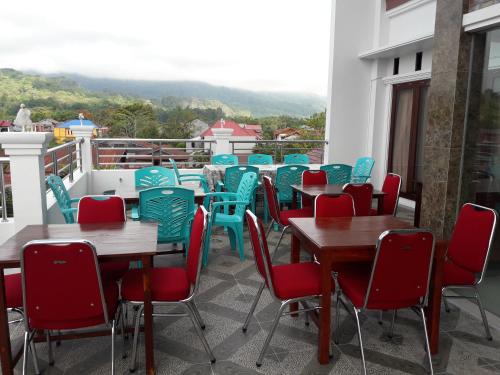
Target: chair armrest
pixel 75 200
pixel 218 194
pixel 135 213
pixel 219 185
pixel 216 205
pixel 200 175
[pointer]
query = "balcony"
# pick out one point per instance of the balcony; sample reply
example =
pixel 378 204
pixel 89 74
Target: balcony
pixel 228 285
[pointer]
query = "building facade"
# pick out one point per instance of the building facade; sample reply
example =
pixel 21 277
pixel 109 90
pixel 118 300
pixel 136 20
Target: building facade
pixel 416 85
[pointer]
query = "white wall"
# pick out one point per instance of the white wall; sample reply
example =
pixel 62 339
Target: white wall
pixel 416 21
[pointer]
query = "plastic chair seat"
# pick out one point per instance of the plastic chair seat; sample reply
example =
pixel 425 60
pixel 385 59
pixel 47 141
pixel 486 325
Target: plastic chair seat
pixel 114 270
pixel 167 284
pixel 296 280
pixel 353 282
pixel 456 275
pixel 14 290
pixel 223 219
pixel 111 295
pixel 286 215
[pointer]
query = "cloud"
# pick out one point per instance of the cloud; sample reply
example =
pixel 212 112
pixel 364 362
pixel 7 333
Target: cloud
pixel 260 44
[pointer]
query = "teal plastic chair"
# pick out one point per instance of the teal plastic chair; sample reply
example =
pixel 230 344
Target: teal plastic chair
pixel 362 170
pixel 172 208
pixel 64 201
pixel 195 177
pixel 296 159
pixel 232 178
pixel 234 221
pixel 260 159
pixel 154 177
pixel 224 159
pixel 286 176
pixel 338 174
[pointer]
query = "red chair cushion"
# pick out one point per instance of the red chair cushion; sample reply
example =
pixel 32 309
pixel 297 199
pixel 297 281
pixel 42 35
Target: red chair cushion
pixel 297 280
pixel 167 284
pixel 14 290
pixel 113 270
pixel 456 275
pixel 353 281
pixel 304 212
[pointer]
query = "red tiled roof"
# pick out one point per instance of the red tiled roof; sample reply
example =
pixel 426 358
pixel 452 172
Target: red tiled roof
pixel 5 123
pixel 238 131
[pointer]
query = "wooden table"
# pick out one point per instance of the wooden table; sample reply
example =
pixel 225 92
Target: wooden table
pixel 114 241
pixel 312 191
pixel 352 240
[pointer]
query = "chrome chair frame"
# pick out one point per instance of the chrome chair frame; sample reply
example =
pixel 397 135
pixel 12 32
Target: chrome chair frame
pixel 357 311
pixel 188 304
pixel 474 289
pixel 284 303
pixel 29 334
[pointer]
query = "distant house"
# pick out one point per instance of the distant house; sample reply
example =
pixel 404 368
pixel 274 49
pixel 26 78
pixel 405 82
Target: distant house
pixel 241 132
pixel 46 125
pixel 198 127
pixel 6 126
pixel 62 131
pixel 286 133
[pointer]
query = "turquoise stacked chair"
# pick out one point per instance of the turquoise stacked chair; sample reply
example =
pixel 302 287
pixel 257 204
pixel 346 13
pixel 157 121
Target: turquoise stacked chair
pixel 286 176
pixel 338 174
pixel 232 178
pixel 362 170
pixel 172 208
pixel 296 159
pixel 224 159
pixel 154 177
pixel 260 159
pixel 234 221
pixel 194 177
pixel 64 201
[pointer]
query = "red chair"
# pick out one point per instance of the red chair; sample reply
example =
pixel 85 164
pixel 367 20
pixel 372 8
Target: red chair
pixel 279 217
pixel 341 205
pixel 391 188
pixel 288 283
pixel 468 252
pixel 312 177
pixel 172 286
pixel 399 279
pixel 96 209
pixel 63 290
pixel 362 194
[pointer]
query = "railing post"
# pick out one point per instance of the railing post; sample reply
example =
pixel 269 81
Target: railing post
pixel 4 198
pixel 84 133
pixel 27 171
pixel 222 145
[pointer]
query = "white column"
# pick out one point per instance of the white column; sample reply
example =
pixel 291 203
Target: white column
pixel 85 132
pixel 27 169
pixel 222 136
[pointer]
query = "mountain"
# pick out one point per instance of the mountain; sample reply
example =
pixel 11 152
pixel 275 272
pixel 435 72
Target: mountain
pixel 203 95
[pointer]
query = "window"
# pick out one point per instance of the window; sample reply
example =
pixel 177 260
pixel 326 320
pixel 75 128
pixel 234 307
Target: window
pixel 418 61
pixel 395 68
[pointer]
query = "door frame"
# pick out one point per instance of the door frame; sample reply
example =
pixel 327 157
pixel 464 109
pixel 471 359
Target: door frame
pixel 410 189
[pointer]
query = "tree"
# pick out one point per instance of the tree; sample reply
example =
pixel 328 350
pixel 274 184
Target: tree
pixel 131 120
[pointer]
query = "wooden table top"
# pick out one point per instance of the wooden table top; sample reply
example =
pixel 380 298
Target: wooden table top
pixel 113 240
pixel 315 190
pixel 127 192
pixel 346 232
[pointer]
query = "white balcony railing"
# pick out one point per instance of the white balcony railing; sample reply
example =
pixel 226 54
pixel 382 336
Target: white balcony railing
pixel 62 160
pixel 4 162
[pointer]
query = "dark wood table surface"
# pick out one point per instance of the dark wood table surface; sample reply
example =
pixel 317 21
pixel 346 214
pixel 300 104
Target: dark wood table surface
pixel 113 241
pixel 352 240
pixel 313 191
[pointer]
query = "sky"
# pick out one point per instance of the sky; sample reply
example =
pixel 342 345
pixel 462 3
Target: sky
pixel 269 45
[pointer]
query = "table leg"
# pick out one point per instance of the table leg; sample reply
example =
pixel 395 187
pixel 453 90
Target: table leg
pixel 325 311
pixel 148 316
pixel 294 199
pixel 433 310
pixel 295 258
pixel 5 349
pixel 380 205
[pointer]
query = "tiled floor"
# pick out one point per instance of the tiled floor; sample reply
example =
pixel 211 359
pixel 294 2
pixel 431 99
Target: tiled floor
pixel 226 292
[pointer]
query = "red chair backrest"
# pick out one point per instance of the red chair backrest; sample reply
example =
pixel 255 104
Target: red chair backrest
pixel 272 199
pixel 401 270
pixel 62 285
pixel 312 177
pixel 196 242
pixel 101 209
pixel 259 247
pixel 470 241
pixel 391 186
pixel 334 206
pixel 362 194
